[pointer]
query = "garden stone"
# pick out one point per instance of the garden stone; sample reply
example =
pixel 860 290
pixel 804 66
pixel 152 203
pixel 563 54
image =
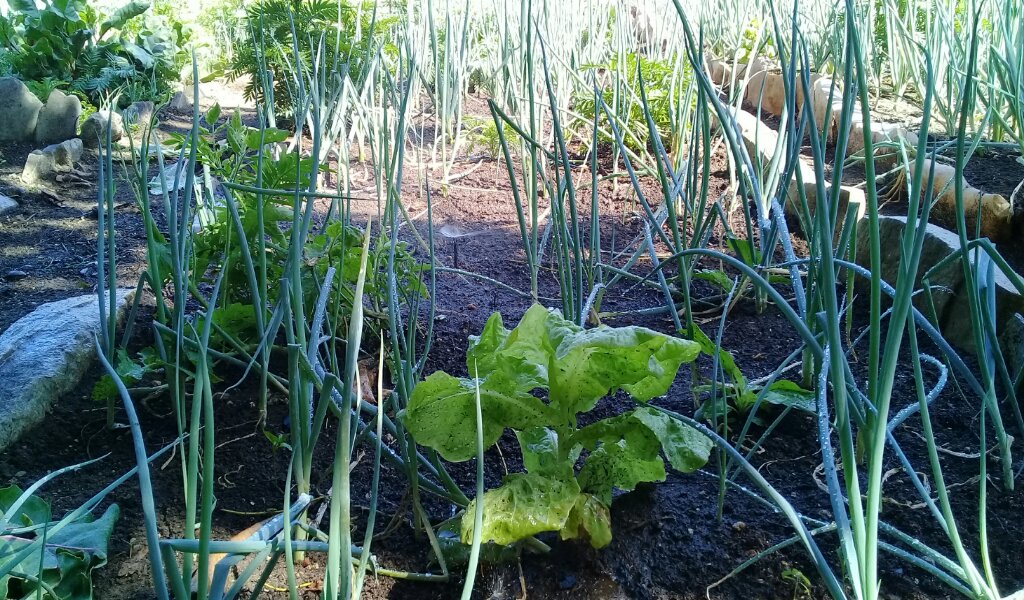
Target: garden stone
pixel 881 133
pixel 760 141
pixel 42 164
pixel 180 102
pixel 20 111
pixel 69 152
pixel 849 198
pixel 58 119
pixel 39 166
pixel 996 212
pixel 947 284
pixel 823 98
pixel 7 205
pixel 767 91
pixel 94 130
pixel 138 113
pixel 43 356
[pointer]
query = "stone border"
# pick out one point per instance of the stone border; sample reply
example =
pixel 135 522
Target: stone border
pixel 947 285
pixel 765 89
pixel 44 356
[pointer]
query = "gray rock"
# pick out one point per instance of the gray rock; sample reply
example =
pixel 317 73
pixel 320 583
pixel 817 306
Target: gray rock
pixel 180 102
pixel 44 356
pixel 39 166
pixel 947 284
pixel 68 152
pixel 58 120
pixel 20 111
pixel 94 130
pixel 138 113
pixel 42 164
pixel 15 275
pixel 7 204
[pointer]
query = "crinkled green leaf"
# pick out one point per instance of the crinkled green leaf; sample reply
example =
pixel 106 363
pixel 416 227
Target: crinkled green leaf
pixel 686 448
pixel 542 455
pixel 725 358
pixel 457 554
pixel 589 519
pixel 589 364
pixel 130 372
pixel 526 504
pixel 483 350
pixel 622 463
pixel 442 412
pixel 523 353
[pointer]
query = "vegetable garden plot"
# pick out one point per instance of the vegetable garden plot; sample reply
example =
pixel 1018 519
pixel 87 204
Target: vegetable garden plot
pixel 722 354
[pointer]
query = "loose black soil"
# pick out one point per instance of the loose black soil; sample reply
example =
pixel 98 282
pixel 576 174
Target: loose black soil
pixel 669 540
pixel 996 171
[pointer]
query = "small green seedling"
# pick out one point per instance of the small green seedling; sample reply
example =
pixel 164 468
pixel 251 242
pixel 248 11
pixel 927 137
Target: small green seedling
pixel 576 367
pixel 739 396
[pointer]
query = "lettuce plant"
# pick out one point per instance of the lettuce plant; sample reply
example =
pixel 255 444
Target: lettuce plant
pixel 571 471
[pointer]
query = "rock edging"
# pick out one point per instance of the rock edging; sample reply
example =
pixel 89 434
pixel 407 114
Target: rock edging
pixel 44 355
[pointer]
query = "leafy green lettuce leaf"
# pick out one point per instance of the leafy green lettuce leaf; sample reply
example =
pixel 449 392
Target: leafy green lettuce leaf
pixel 526 504
pixel 626 450
pixel 589 364
pixel 442 412
pixel 589 519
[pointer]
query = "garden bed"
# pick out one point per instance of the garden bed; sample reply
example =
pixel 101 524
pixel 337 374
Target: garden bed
pixel 668 539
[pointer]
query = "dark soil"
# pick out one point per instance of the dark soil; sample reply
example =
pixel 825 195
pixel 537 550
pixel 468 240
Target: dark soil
pixel 669 541
pixel 996 171
pixel 51 238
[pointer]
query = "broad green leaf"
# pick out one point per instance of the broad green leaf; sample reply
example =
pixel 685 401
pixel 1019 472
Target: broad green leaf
pixel 542 455
pixel 442 412
pixel 33 511
pixel 213 115
pixel 686 448
pixel 590 364
pixel 717 277
pixel 23 7
pixel 141 55
pixel 589 519
pixel 123 15
pixel 526 504
pixel 269 136
pixel 787 393
pixel 622 463
pixel 70 556
pixel 745 250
